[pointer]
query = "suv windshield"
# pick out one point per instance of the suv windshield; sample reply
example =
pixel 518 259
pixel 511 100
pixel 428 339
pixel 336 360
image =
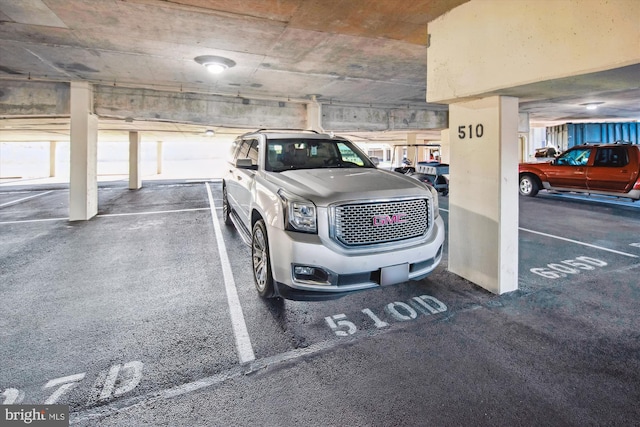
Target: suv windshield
pixel 288 154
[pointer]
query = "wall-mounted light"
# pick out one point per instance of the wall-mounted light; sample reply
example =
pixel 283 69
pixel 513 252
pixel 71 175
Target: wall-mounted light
pixel 215 64
pixel 209 132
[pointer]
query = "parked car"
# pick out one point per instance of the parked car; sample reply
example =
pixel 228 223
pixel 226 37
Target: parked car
pixel 607 169
pixel 433 174
pixel 323 221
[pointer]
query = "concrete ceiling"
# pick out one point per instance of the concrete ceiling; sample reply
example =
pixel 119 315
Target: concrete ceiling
pixel 341 51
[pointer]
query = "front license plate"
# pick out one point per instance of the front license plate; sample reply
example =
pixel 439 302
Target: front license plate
pixel 394 274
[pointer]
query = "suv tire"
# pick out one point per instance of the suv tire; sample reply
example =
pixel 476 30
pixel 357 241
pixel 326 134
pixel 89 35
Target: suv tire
pixel 261 261
pixel 529 185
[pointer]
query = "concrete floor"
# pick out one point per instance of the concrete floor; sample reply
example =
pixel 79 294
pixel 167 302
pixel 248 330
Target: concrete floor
pixel 130 310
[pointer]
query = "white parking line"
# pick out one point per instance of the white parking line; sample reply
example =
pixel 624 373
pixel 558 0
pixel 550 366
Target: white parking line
pixel 26 221
pixel 15 202
pixel 151 212
pixel 579 243
pixel 243 342
pixel 572 241
pixel 93 415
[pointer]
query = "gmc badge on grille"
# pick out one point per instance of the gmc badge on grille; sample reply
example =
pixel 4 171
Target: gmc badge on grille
pixel 389 219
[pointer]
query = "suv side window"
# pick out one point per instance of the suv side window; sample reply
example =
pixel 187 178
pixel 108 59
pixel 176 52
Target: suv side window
pixel 248 150
pixel 575 157
pixel 233 151
pixel 253 153
pixel 611 157
pixel 348 155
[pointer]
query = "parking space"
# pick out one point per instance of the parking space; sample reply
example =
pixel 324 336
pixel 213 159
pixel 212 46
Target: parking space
pixel 137 285
pixel 134 305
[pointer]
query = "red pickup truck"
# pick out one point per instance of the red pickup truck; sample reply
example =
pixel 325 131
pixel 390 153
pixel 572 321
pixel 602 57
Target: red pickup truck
pixel 609 169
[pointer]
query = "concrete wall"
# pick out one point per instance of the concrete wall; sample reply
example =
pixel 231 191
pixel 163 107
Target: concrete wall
pixel 144 104
pixel 486 45
pixel 347 118
pixel 52 99
pixel 34 98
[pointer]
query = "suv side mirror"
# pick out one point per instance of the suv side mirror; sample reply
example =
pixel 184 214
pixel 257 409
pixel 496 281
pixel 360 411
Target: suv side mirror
pixel 244 164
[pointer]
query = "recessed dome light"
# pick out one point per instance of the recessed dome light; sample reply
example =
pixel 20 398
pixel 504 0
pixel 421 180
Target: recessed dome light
pixel 592 105
pixel 215 68
pixel 215 64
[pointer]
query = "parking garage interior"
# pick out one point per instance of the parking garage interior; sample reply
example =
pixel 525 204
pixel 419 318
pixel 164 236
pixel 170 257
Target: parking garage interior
pixel 121 291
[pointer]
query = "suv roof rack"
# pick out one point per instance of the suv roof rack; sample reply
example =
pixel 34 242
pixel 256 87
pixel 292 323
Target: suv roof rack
pixel 279 130
pixel 287 130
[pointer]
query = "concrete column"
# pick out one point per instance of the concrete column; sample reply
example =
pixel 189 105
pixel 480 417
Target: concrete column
pixel 83 180
pixel 411 151
pixel 396 155
pixel 52 158
pixel 159 157
pixel 483 202
pixel 445 146
pixel 314 115
pixel 135 176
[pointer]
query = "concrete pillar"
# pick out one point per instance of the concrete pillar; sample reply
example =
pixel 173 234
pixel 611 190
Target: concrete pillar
pixel 83 180
pixel 483 202
pixel 396 155
pixel 411 151
pixel 52 159
pixel 314 115
pixel 159 157
pixel 135 175
pixel 445 147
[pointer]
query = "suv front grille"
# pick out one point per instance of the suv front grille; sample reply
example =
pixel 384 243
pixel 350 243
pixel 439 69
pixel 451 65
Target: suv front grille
pixel 380 222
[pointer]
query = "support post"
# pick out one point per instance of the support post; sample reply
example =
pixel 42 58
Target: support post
pixel 135 176
pixel 412 156
pixel 83 180
pixel 483 202
pixel 52 159
pixel 314 115
pixel 445 146
pixel 159 157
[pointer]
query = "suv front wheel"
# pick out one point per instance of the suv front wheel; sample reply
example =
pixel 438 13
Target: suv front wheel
pixel 261 263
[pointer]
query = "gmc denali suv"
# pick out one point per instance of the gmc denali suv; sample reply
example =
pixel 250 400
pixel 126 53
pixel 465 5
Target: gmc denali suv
pixel 607 169
pixel 322 220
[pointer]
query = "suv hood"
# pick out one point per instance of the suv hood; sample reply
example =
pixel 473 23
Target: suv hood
pixel 326 186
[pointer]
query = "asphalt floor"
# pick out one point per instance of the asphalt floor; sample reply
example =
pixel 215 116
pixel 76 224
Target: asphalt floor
pixel 128 319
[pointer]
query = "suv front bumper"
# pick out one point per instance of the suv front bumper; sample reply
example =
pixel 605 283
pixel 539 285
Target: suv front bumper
pixel 345 271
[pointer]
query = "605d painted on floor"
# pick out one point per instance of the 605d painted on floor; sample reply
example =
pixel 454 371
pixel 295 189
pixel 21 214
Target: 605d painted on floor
pixel 568 266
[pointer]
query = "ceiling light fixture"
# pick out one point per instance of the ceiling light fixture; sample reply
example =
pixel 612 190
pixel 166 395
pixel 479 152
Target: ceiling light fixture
pixel 592 105
pixel 209 132
pixel 215 64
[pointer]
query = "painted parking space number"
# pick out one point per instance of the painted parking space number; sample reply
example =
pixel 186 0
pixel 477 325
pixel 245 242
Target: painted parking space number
pixel 126 377
pixel 568 266
pixel 399 311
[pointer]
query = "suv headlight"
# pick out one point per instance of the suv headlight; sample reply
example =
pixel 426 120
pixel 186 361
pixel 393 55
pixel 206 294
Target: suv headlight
pixel 436 205
pixel 300 214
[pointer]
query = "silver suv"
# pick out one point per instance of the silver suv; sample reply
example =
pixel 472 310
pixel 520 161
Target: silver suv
pixel 322 220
